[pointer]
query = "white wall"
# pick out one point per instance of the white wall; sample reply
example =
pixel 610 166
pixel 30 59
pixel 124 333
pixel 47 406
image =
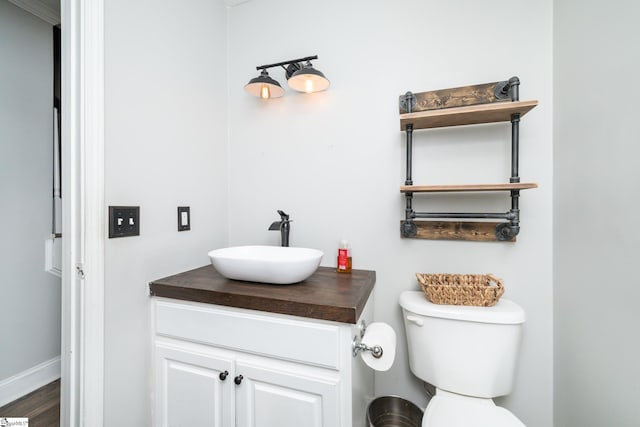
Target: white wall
pixel 335 160
pixel 165 146
pixel 30 298
pixel 596 186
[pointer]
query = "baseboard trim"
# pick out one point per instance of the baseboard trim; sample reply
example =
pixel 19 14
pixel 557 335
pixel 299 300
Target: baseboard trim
pixel 27 381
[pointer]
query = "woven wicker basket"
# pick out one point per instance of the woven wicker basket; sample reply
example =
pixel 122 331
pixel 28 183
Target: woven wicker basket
pixel 461 289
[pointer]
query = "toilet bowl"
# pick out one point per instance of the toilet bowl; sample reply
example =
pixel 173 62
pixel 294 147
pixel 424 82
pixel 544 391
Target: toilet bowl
pixel 455 410
pixel 468 353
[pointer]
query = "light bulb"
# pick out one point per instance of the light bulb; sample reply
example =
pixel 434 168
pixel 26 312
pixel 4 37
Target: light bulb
pixel 264 92
pixel 308 86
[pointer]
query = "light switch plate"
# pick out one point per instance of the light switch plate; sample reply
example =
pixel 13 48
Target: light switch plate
pixel 124 221
pixel 184 218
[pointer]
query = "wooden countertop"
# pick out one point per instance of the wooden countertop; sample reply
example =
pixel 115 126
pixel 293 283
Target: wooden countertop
pixel 326 295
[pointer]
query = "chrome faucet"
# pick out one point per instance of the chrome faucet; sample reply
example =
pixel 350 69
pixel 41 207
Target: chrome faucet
pixel 283 226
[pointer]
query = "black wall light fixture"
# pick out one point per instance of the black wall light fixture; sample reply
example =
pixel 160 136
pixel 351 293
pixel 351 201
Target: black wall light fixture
pixel 301 77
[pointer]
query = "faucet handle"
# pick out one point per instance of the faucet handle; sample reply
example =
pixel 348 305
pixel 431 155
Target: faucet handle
pixel 283 216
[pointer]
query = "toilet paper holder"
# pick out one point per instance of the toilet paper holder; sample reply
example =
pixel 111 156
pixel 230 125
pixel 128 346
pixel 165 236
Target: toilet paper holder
pixel 357 345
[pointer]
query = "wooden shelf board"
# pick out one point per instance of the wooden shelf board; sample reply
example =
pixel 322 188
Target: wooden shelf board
pixel 466 187
pixel 468 115
pixel 457 230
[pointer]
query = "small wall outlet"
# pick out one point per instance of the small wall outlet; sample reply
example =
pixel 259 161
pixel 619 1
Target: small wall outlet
pixel 184 218
pixel 124 221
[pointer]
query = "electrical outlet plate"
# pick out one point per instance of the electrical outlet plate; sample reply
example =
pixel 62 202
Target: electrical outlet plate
pixel 184 218
pixel 124 221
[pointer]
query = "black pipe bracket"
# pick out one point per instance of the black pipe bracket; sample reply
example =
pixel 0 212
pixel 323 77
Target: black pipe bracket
pixel 407 102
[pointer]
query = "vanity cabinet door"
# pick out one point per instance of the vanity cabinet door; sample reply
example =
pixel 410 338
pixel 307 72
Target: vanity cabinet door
pixel 190 390
pixel 286 395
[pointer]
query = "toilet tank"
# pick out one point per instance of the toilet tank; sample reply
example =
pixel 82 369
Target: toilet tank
pixel 462 349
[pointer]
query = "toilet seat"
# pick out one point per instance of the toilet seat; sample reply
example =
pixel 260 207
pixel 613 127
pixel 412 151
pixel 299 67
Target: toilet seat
pixel 445 411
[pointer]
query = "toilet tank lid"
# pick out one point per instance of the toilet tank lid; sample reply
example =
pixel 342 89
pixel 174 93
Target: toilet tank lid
pixel 504 312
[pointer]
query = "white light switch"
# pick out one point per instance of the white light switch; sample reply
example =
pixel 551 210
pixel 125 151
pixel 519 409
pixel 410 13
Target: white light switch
pixel 131 221
pixel 184 218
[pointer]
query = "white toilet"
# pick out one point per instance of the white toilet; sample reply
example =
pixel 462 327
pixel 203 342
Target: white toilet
pixel 468 353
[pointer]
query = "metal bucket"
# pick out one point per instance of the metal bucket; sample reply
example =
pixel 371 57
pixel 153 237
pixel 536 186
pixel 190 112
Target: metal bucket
pixel 393 411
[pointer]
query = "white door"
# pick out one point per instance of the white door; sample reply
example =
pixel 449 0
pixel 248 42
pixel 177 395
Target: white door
pixel 277 395
pixel 193 389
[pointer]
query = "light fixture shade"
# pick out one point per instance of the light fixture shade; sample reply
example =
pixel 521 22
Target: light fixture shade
pixel 308 79
pixel 264 87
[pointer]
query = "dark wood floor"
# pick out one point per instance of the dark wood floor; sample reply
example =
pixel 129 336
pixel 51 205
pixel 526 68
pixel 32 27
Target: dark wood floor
pixel 42 407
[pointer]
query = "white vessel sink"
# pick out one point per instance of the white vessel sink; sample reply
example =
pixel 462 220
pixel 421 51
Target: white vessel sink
pixel 266 264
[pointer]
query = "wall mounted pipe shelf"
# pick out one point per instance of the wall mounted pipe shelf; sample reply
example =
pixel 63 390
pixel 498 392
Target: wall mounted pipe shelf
pixel 468 105
pixel 471 115
pixel 466 187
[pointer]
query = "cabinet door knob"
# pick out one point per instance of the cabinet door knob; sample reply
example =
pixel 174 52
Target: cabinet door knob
pixel 223 375
pixel 238 379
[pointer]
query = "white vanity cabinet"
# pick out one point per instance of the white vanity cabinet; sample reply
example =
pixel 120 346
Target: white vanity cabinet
pixel 223 367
